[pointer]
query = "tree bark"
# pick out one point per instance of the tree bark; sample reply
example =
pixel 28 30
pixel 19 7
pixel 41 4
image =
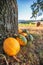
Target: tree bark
pixel 10 16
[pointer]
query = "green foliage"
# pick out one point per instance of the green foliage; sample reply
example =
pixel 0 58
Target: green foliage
pixel 37 8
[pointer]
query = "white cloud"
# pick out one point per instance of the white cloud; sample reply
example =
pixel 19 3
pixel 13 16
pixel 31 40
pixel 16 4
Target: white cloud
pixel 27 16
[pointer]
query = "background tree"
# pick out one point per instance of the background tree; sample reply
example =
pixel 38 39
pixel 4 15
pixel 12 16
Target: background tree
pixel 9 15
pixel 37 8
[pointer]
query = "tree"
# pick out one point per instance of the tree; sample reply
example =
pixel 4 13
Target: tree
pixel 37 8
pixel 9 15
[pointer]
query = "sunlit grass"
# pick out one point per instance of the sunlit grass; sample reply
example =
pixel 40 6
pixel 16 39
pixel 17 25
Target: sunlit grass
pixel 23 24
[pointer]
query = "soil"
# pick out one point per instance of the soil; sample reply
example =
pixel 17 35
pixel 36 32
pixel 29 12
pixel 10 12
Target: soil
pixel 31 54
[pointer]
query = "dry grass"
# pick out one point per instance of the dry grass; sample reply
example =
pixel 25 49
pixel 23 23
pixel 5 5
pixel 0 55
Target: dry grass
pixel 32 28
pixel 32 53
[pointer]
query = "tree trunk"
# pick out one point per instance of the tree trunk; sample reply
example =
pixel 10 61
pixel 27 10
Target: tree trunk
pixel 10 16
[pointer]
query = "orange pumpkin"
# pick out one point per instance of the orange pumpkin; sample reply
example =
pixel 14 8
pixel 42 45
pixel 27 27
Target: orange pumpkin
pixel 22 40
pixel 24 34
pixel 19 31
pixel 11 46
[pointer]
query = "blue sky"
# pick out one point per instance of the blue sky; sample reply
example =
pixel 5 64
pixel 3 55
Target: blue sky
pixel 24 9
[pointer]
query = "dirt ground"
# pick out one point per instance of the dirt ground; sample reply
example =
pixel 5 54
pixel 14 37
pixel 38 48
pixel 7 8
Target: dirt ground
pixel 31 54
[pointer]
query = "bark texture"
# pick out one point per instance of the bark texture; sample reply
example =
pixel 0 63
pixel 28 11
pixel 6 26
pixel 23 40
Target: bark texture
pixel 9 16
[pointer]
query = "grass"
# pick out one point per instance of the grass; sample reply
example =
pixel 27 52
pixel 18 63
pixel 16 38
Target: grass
pixel 27 24
pixel 31 26
pixel 32 53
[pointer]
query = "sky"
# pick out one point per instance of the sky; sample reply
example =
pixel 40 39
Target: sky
pixel 24 9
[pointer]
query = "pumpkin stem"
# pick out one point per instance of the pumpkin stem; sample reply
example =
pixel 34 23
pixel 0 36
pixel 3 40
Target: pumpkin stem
pixel 18 60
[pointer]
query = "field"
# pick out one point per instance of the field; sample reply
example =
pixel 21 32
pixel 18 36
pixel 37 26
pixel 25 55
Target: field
pixel 32 53
pixel 31 27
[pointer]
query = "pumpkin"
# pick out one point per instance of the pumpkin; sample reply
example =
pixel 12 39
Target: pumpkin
pixel 15 35
pixel 26 31
pixel 22 40
pixel 19 31
pixel 11 46
pixel 30 37
pixel 24 34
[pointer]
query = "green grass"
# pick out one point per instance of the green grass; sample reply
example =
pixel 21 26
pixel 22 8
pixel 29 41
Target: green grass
pixel 27 24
